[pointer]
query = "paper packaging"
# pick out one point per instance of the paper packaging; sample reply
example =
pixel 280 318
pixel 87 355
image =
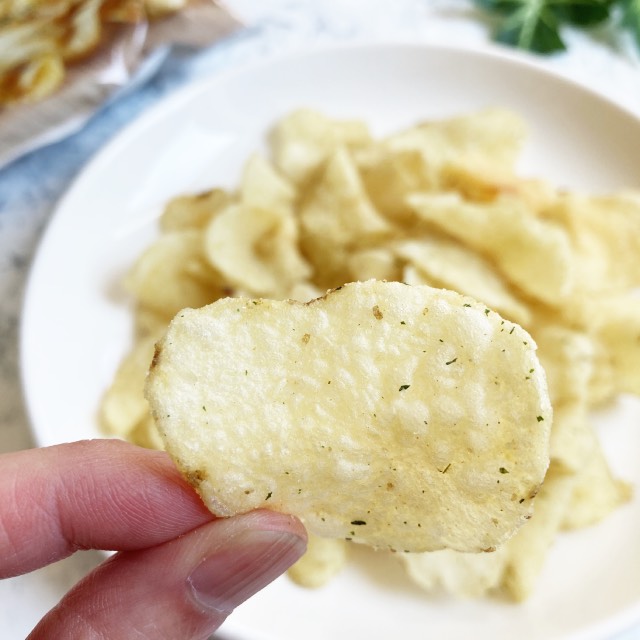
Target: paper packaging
pixel 130 55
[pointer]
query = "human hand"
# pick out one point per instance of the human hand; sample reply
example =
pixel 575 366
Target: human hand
pixel 178 572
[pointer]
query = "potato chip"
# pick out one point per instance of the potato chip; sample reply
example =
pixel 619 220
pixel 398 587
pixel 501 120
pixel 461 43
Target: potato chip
pixel 388 175
pixel 373 264
pixel 487 138
pixel 514 567
pixel 572 441
pixel 527 550
pixel 40 77
pixel 124 404
pixel 336 217
pixel 451 265
pixel 605 234
pixel 303 140
pixel 596 492
pixel 323 560
pixel 193 211
pixel 533 254
pixel 86 30
pixel 468 575
pixel 145 434
pixel 173 273
pixel 618 327
pixel 256 249
pixel 486 184
pixel 425 411
pixel 39 39
pixel 568 357
pixel 263 187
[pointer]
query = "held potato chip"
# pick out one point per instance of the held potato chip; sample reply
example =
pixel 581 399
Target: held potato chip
pixel 424 411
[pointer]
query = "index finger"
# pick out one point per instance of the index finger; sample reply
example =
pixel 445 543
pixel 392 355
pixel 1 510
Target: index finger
pixel 100 494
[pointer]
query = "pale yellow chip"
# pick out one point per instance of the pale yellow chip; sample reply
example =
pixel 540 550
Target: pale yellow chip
pixel 336 217
pixel 451 265
pixel 605 234
pixel 124 405
pixel 572 441
pixel 424 411
pixel 596 492
pixel 468 575
pixel 514 567
pixel 490 138
pixel 256 249
pixel 533 254
pixel 173 273
pixel 322 561
pixel 193 211
pixel 378 263
pixel 305 138
pixel 569 358
pixel 527 550
pixel 263 187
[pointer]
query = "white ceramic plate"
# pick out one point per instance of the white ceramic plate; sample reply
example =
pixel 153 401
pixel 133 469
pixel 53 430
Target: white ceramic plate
pixel 77 323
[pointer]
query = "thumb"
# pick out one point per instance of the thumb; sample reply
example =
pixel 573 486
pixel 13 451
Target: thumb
pixel 184 588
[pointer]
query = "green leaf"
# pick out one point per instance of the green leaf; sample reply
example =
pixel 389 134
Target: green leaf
pixel 533 27
pixel 504 7
pixel 582 13
pixel 631 17
pixel 528 24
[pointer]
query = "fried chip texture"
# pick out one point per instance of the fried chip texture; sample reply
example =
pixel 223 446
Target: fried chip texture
pixel 424 410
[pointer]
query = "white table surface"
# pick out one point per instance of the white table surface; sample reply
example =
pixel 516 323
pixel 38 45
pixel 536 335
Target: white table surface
pixel 30 187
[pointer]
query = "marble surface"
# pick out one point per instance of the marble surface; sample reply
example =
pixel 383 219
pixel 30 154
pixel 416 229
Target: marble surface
pixel 31 186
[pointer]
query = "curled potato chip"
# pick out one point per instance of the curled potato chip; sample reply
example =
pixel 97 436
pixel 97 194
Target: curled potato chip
pixel 596 492
pixel 468 575
pixel 488 138
pixel 425 411
pixel 193 211
pixel 533 254
pixel 173 273
pixel 305 138
pixel 323 559
pixel 256 249
pixel 453 266
pixel 123 405
pixel 527 550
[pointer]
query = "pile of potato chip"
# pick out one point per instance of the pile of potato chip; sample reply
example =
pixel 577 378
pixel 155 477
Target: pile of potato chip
pixel 439 204
pixel 39 39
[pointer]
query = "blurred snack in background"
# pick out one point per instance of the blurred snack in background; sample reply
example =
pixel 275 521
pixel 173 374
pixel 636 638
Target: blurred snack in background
pixel 39 39
pixel 61 60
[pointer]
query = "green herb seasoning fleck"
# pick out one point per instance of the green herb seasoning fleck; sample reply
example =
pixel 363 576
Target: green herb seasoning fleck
pixel 503 470
pixel 540 419
pixel 358 522
pixel 404 387
pixel 268 495
pixel 451 361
